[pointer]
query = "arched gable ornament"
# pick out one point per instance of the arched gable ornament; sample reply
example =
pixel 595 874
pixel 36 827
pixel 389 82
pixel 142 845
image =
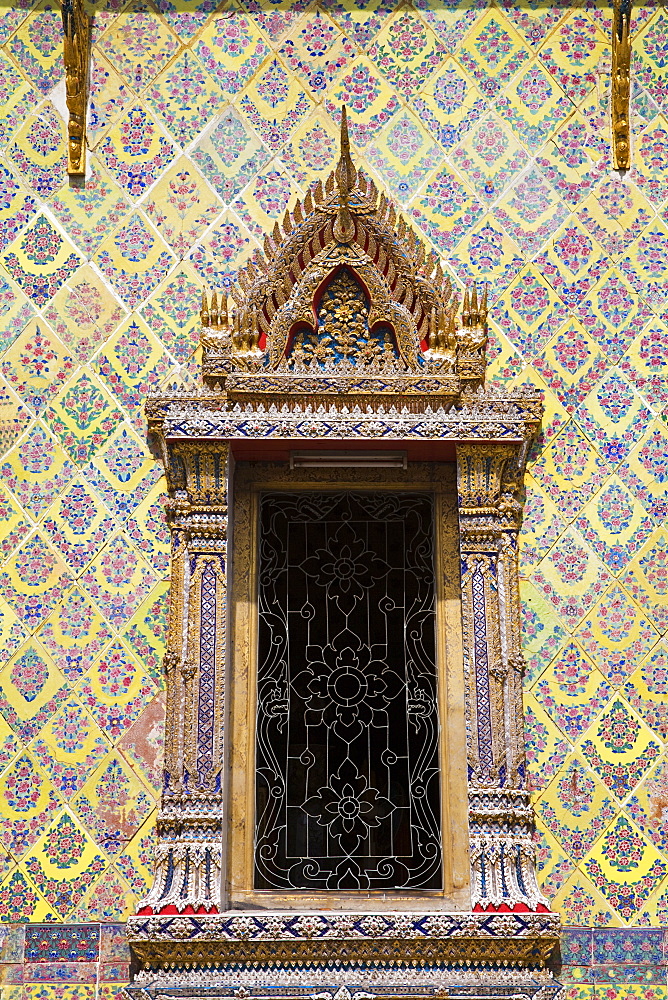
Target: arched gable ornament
pixel 345 332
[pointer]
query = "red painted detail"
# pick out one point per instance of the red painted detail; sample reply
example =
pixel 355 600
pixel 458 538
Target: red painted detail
pixel 145 910
pixel 262 342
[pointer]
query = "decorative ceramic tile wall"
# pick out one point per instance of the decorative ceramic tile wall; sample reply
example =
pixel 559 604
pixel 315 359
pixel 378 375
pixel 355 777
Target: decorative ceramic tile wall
pixel 489 126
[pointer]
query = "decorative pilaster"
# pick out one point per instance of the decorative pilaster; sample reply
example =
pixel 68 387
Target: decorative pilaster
pixel 500 818
pixel 76 54
pixel 189 857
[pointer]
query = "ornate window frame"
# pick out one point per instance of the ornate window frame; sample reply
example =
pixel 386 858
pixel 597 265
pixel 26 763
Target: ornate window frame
pixel 260 401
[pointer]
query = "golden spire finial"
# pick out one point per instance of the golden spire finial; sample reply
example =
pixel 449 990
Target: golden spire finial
pixel 345 175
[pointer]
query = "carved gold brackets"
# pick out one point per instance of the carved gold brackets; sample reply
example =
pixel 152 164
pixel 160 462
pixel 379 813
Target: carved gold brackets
pixel 621 84
pixel 76 31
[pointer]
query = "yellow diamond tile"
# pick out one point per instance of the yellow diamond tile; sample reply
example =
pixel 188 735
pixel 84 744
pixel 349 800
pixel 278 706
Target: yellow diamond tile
pixel 553 866
pixel 615 524
pixel 63 863
pixel 29 800
pixel 546 747
pixel 84 313
pixel 645 364
pixel 370 101
pixel 646 578
pixel 570 470
pixel 138 44
pixel 493 52
pixel 232 49
pixel 113 804
pixel 620 748
pixel 407 52
pixel 625 867
pixel 615 214
pixel 69 746
pixel 582 905
pixel 19 896
pixel 576 808
pixel 32 689
pixel 74 634
pixel 182 206
pixel 572 54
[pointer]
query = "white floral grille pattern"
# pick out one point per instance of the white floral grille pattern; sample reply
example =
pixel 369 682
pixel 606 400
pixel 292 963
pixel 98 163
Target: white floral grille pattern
pixel 347 790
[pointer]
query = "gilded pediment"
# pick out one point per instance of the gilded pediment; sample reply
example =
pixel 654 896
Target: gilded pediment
pixel 346 294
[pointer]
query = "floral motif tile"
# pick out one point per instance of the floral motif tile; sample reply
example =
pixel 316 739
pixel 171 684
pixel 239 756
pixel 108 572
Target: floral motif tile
pixel 20 901
pixel 82 417
pixel 14 417
pixel 646 578
pixel 615 214
pixel 109 898
pixel 645 269
pixel 122 472
pixel 649 58
pixel 620 748
pixel 571 364
pixel 109 97
pixel 36 470
pixel 446 210
pixel 573 53
pixel 69 746
pixel 647 688
pixel 136 862
pixel 29 800
pixel 146 631
pixel 531 211
pixel 37 46
pixel 546 747
pixel 37 151
pixel 172 313
pixel 135 152
pixel 260 206
pixel 185 97
pixel 84 313
pixel 570 471
pixel 360 23
pixel 132 364
pixel 534 19
pixel 534 106
pixel 16 310
pixel 493 52
pixel 15 525
pixel 18 99
pixel 312 150
pixel 138 44
pixel 74 634
pixel 78 525
pixel 34 580
pixel 91 212
pixel 113 804
pixel 572 262
pixel 317 51
pixel 645 364
pixel 489 158
pixel 37 365
pixel 625 867
pixel 17 207
pixel 576 808
pixel 650 173
pixel 541 526
pixel 450 105
pixel 646 807
pixel 614 524
pixel 486 254
pixel 115 691
pixel 644 471
pixel 182 206
pixel 229 155
pixel 583 906
pixel 232 50
pixel 407 52
pixel 147 529
pixel 32 689
pixel 274 103
pixel 572 577
pixel 574 160
pixel 553 866
pixel 613 416
pixel 572 690
pixel 63 863
pixel 370 101
pixel 613 315
pixel 404 156
pixel 134 260
pixel 41 260
pixel 118 580
pixel 529 310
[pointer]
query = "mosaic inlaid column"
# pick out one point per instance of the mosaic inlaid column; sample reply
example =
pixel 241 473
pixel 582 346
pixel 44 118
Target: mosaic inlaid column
pixel 189 857
pixel 500 816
